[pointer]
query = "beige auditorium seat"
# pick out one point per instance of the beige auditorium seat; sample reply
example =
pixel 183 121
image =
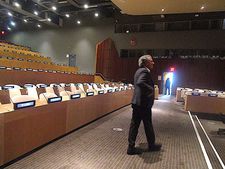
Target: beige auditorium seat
pixel 17 97
pixel 29 85
pixel 41 85
pixel 88 88
pixel 75 89
pixel 98 88
pixel 49 93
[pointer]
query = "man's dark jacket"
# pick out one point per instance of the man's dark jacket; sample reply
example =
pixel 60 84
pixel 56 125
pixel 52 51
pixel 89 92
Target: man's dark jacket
pixel 144 88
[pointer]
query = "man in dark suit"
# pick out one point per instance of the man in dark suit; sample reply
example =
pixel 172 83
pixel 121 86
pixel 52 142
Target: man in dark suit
pixel 142 103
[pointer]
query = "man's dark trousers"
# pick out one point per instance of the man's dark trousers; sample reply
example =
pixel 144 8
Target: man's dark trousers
pixel 141 114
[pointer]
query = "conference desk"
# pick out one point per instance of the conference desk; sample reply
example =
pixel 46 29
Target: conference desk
pixel 26 129
pixel 205 104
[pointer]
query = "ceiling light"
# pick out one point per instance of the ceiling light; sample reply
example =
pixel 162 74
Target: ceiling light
pixel 127 31
pixel 62 2
pixel 96 14
pixel 196 15
pixel 163 9
pixel 38 25
pixel 9 28
pixel 49 19
pixel 78 22
pixel 67 15
pixel 86 6
pixel 10 14
pixel 54 8
pixel 202 7
pixel 25 20
pixel 36 13
pixel 67 55
pixel 12 23
pixel 16 4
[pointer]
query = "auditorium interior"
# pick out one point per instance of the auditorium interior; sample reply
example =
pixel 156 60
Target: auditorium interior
pixel 67 80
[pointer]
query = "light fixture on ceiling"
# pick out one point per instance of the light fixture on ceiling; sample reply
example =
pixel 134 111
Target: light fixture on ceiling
pixel 35 13
pixel 10 14
pixel 78 22
pixel 16 4
pixel 85 6
pixel 38 25
pixel 202 7
pixel 196 15
pixel 25 20
pixel 54 8
pixel 67 15
pixel 49 19
pixel 163 10
pixel 67 55
pixel 127 31
pixel 96 14
pixel 13 23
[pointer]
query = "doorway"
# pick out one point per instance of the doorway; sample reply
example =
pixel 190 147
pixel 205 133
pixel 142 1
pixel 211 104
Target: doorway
pixel 167 82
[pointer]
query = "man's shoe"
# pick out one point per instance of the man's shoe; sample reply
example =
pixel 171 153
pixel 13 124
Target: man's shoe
pixel 155 147
pixel 133 151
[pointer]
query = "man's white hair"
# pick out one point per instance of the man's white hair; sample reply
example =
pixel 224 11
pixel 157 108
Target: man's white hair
pixel 142 60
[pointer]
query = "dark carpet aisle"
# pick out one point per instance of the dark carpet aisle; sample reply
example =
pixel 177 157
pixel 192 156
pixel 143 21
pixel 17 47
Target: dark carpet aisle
pixel 98 146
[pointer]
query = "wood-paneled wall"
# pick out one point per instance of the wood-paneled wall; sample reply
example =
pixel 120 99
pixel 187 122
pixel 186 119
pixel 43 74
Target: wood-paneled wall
pixel 23 77
pixel 193 73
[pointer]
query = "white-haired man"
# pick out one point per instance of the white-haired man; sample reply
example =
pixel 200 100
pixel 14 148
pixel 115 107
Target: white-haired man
pixel 142 103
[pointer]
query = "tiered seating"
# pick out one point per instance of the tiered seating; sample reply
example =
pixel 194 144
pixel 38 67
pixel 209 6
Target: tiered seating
pixel 12 56
pixel 12 45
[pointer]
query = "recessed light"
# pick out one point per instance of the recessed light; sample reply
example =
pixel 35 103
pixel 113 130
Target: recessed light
pixel 54 8
pixel 127 31
pixel 196 15
pixel 86 6
pixel 16 4
pixel 49 19
pixel 36 13
pixel 78 22
pixel 202 7
pixel 25 20
pixel 10 14
pixel 96 14
pixel 67 15
pixel 163 10
pixel 12 23
pixel 38 25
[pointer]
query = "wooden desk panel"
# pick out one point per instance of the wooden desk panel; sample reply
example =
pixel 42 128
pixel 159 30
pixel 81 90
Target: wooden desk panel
pixel 1 138
pixel 205 104
pixel 26 129
pixel 30 128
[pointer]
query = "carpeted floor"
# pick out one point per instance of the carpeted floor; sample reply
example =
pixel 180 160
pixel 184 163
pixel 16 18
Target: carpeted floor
pixel 98 146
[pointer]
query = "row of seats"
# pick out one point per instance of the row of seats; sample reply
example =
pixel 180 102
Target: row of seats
pixel 183 92
pixel 27 55
pixel 13 46
pixel 26 59
pixel 35 65
pixel 41 94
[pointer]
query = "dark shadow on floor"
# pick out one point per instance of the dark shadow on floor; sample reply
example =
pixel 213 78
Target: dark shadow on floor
pixel 150 157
